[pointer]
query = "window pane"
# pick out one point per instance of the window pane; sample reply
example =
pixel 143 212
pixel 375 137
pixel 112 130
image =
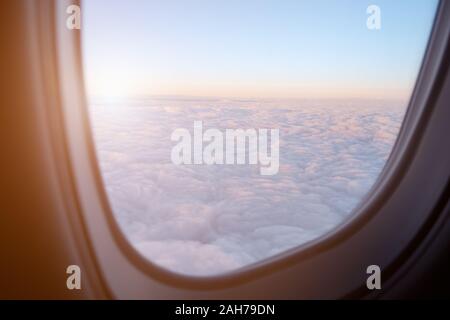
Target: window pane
pixel 230 131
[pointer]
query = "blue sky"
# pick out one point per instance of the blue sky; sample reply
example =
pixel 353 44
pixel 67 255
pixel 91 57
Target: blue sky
pixel 254 48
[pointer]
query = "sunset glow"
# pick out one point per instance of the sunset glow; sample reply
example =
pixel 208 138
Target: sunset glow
pixel 253 49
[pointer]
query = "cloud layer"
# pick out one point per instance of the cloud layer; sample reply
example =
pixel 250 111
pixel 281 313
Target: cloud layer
pixel 204 220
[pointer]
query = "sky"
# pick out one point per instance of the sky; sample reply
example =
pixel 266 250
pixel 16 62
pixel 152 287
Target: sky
pixel 254 48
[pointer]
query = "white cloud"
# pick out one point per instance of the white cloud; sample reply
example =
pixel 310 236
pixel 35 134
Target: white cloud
pixel 209 219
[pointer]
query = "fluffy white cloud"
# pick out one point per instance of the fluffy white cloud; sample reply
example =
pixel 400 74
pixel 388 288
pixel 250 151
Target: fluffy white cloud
pixel 208 219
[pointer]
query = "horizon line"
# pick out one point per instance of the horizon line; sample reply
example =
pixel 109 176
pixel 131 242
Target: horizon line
pixel 218 97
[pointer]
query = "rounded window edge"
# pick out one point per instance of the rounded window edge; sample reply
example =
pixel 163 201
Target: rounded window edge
pixel 387 181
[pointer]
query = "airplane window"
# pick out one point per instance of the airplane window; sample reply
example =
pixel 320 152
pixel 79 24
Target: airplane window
pixel 230 131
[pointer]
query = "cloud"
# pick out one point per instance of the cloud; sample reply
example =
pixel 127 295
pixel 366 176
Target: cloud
pixel 205 220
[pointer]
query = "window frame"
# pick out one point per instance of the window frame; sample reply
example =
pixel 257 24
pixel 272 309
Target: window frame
pixel 324 274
